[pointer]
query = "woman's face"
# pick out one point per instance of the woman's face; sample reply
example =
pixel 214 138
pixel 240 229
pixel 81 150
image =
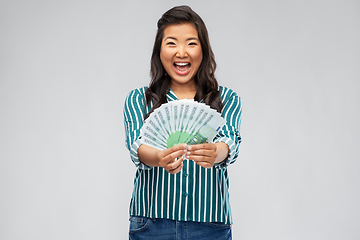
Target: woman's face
pixel 181 53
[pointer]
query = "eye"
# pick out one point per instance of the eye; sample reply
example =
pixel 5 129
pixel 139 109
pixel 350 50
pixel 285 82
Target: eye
pixel 193 43
pixel 170 43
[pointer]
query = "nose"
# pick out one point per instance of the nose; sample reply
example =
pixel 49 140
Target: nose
pixel 181 52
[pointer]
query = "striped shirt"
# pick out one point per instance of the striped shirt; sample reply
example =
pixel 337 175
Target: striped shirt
pixel 195 193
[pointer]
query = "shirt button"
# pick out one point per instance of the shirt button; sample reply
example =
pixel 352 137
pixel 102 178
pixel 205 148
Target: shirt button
pixel 185 194
pixel 185 174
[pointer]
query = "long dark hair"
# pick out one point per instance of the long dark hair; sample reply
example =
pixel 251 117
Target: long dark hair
pixel 206 83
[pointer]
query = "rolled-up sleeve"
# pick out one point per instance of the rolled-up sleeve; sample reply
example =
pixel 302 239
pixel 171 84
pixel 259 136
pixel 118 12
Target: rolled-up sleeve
pixel 133 121
pixel 230 133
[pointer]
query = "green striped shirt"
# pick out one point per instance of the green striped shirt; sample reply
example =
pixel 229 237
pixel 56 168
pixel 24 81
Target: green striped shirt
pixel 195 193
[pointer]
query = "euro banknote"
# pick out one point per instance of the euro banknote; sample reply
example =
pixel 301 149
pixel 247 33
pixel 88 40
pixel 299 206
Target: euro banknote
pixel 181 121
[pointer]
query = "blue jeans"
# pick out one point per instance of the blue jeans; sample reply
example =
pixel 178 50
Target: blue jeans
pixel 166 229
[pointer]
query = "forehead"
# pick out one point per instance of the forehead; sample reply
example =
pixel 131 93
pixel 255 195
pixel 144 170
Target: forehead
pixel 181 31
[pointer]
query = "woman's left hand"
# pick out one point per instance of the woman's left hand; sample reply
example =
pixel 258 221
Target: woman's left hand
pixel 204 154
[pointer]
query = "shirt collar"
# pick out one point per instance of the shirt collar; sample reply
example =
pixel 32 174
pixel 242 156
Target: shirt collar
pixel 171 96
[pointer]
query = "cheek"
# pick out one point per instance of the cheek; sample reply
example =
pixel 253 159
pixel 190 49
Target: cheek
pixel 198 56
pixel 199 60
pixel 165 56
pixel 163 60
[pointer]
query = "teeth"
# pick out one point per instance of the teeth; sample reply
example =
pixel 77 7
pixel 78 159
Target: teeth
pixel 181 64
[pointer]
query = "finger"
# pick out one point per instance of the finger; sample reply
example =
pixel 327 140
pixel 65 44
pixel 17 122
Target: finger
pixel 195 147
pixel 208 146
pixel 171 158
pixel 202 159
pixel 175 164
pixel 174 155
pixel 174 149
pixel 176 170
pixel 205 164
pixel 201 152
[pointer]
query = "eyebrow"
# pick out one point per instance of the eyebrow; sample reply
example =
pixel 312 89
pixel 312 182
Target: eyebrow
pixel 193 38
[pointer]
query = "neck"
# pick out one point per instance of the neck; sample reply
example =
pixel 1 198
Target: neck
pixel 183 91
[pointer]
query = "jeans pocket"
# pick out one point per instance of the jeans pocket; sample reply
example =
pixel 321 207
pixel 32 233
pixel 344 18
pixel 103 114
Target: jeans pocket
pixel 218 224
pixel 138 224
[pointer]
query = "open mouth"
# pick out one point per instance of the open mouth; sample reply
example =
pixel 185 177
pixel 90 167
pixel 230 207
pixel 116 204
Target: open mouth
pixel 182 68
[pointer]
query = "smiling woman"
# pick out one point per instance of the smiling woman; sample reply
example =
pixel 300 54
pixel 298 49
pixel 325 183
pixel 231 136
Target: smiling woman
pixel 180 19
pixel 182 192
pixel 181 56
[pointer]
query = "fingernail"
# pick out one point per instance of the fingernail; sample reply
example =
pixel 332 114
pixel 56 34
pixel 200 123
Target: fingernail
pixel 189 147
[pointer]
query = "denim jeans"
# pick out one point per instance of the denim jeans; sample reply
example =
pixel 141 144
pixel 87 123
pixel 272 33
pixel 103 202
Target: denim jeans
pixel 166 229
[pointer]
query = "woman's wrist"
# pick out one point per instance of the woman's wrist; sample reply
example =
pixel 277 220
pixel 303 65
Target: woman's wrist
pixel 222 150
pixel 148 155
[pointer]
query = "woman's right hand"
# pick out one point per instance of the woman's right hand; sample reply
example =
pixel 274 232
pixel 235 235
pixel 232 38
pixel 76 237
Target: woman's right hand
pixel 171 159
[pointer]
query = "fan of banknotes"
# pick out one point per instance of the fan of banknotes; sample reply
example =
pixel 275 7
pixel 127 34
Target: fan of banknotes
pixel 181 121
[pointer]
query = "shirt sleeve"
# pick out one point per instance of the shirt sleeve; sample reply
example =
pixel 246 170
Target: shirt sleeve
pixel 230 133
pixel 134 108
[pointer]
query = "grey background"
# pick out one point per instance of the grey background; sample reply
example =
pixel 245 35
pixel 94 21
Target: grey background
pixel 66 67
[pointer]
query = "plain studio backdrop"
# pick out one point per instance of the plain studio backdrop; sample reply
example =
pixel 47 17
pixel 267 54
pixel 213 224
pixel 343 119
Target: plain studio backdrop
pixel 67 66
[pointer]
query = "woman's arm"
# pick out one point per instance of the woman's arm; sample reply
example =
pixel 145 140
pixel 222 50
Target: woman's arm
pixel 133 121
pixel 230 133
